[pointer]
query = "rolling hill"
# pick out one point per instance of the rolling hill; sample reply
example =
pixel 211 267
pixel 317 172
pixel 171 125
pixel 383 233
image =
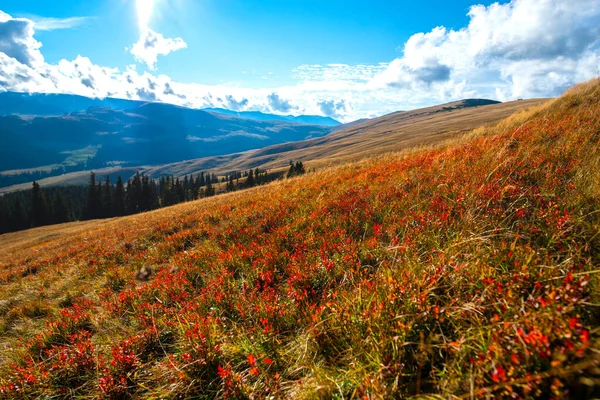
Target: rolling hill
pixel 392 132
pixel 468 270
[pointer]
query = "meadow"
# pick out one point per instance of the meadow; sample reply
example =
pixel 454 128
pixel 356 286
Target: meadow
pixel 462 270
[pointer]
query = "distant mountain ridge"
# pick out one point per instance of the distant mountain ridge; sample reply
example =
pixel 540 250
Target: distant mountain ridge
pixel 260 116
pixel 41 104
pixel 41 131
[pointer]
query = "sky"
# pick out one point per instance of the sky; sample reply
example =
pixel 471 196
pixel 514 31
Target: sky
pixel 343 59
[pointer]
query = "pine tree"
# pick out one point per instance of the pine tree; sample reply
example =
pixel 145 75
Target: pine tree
pixel 210 190
pixel 230 187
pixel 129 200
pixel 146 194
pixel 179 192
pixel 291 170
pixel 196 187
pixel 39 206
pixel 250 180
pixel 19 219
pixel 119 198
pixel 107 210
pixel 92 206
pixel 186 188
pixel 59 208
pixel 299 168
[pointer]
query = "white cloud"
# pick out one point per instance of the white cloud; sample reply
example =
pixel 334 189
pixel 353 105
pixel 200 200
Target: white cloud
pixel 525 48
pixel 17 41
pixel 337 72
pixel 153 44
pixel 52 24
pixel 333 108
pixel 278 104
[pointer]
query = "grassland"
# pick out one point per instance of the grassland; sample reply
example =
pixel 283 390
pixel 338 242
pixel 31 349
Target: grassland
pixel 463 270
pixel 390 133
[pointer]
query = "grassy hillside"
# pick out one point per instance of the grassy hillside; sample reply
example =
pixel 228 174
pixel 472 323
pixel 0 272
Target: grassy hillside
pixel 467 270
pixel 392 132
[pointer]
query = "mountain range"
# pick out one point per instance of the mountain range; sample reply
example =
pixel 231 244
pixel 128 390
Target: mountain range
pixel 260 116
pixel 50 131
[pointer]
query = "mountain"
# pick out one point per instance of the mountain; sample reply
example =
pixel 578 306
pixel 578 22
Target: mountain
pixel 145 134
pixel 41 104
pixel 259 116
pixel 462 270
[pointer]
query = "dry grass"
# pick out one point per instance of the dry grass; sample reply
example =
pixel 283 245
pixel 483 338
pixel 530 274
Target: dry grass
pixel 467 269
pixel 390 133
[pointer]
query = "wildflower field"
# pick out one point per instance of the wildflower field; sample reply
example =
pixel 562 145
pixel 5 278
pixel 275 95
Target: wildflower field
pixel 461 271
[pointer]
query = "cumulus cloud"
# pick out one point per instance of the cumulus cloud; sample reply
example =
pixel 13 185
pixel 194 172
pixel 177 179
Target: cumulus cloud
pixel 16 40
pixel 523 48
pixel 277 104
pixel 332 108
pixel 153 44
pixel 235 105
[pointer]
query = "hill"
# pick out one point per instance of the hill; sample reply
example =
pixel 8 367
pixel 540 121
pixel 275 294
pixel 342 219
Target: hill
pixel 465 269
pixel 260 116
pixel 392 132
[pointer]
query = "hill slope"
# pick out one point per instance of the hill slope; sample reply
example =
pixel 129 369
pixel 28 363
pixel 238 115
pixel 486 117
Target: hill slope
pixel 392 132
pixel 467 270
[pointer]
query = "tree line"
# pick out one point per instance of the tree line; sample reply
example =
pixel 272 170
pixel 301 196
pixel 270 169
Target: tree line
pixel 102 198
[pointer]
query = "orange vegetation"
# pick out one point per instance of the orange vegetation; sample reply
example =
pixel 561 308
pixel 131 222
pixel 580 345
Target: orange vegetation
pixel 467 270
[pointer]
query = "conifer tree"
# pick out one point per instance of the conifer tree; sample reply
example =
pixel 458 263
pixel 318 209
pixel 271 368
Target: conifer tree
pixel 107 210
pixel 92 206
pixel 210 190
pixel 119 198
pixel 179 192
pixel 196 187
pixel 39 206
pixel 250 180
pixel 59 208
pixel 19 218
pixel 299 168
pixel 145 194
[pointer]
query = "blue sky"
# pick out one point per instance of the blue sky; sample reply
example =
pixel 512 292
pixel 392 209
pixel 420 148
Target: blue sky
pixel 349 59
pixel 260 36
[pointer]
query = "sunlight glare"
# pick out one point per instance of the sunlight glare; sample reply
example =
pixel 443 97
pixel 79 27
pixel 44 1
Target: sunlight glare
pixel 144 11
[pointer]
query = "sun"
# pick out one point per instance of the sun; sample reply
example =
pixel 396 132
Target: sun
pixel 144 11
